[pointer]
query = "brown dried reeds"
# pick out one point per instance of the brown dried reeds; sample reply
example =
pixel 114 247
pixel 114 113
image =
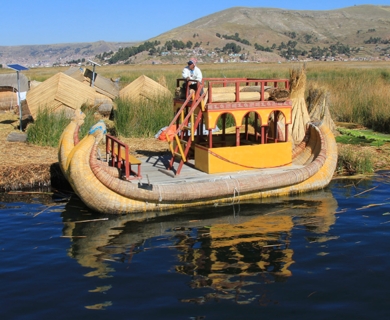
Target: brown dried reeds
pixel 23 165
pixel 300 115
pixel 24 176
pixel 318 105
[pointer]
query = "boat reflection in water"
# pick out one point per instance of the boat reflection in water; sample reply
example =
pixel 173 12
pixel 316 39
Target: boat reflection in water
pixel 223 250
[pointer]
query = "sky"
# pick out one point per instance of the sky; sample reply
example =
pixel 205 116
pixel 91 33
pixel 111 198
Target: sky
pixel 50 22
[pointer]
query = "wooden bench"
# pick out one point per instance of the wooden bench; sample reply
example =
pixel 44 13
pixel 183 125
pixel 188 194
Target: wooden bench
pixel 135 161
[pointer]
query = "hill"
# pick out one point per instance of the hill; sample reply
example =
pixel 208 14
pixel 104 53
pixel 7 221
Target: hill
pixel 42 55
pixel 254 34
pixel 266 34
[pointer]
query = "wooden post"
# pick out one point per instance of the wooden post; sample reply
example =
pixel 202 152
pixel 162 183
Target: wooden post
pixel 246 126
pixel 262 134
pixel 262 91
pixel 286 133
pixel 256 117
pixel 223 126
pixel 210 139
pixel 276 116
pixel 237 136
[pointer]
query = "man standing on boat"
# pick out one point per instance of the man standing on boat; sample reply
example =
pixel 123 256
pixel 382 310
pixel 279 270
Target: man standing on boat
pixel 192 72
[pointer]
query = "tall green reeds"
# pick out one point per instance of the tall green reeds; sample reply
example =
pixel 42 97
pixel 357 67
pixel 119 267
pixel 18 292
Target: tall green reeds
pixel 354 162
pixel 142 118
pixel 48 127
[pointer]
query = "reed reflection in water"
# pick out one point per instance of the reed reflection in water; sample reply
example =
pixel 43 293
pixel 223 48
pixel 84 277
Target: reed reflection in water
pixel 227 253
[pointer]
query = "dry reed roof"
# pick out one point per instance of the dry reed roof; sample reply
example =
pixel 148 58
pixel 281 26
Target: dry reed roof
pixel 11 80
pixel 60 92
pixel 101 84
pixel 144 87
pixel 75 73
pixel 34 83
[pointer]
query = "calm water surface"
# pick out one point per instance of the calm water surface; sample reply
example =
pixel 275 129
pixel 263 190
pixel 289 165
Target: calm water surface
pixel 324 255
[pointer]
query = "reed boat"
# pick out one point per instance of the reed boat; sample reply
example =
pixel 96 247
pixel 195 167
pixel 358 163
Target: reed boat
pixel 212 169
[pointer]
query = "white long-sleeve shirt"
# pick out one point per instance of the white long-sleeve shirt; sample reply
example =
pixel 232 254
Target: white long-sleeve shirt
pixel 195 74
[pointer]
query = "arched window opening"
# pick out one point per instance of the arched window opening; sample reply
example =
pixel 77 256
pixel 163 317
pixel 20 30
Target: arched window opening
pixel 277 129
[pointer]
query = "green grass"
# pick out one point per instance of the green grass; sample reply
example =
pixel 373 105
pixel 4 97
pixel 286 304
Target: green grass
pixel 353 162
pixel 345 139
pixel 48 127
pixel 143 118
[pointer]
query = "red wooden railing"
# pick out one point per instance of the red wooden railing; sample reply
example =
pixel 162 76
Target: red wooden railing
pixel 117 159
pixel 247 81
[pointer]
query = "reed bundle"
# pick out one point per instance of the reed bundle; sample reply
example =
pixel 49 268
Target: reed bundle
pixel 163 81
pixel 278 94
pixel 300 115
pixel 8 100
pixel 318 106
pixel 243 96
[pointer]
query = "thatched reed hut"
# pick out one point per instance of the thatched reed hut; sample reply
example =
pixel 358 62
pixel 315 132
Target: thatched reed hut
pixel 9 89
pixel 144 88
pixel 60 93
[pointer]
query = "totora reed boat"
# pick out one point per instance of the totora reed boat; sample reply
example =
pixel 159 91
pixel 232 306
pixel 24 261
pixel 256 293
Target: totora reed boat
pixel 254 160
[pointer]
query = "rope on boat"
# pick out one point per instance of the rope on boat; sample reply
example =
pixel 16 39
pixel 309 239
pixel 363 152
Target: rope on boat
pixel 227 186
pixel 236 188
pixel 159 192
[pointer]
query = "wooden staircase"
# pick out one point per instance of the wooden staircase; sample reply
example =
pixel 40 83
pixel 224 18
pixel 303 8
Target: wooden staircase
pixel 180 146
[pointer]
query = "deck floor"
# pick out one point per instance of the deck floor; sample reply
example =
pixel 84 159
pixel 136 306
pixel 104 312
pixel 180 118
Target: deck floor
pixel 154 171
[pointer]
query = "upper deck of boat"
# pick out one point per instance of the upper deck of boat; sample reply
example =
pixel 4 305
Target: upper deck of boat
pixel 153 171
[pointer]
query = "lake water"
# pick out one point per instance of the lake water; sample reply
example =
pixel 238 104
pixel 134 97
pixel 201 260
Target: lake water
pixel 323 255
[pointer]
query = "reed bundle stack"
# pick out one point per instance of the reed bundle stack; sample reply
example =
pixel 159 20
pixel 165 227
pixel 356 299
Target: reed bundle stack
pixel 232 130
pixel 228 94
pixel 59 93
pixel 318 106
pixel 8 100
pixel 278 94
pixel 144 88
pixel 300 115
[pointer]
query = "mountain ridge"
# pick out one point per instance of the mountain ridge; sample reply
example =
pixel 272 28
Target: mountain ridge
pixel 264 26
